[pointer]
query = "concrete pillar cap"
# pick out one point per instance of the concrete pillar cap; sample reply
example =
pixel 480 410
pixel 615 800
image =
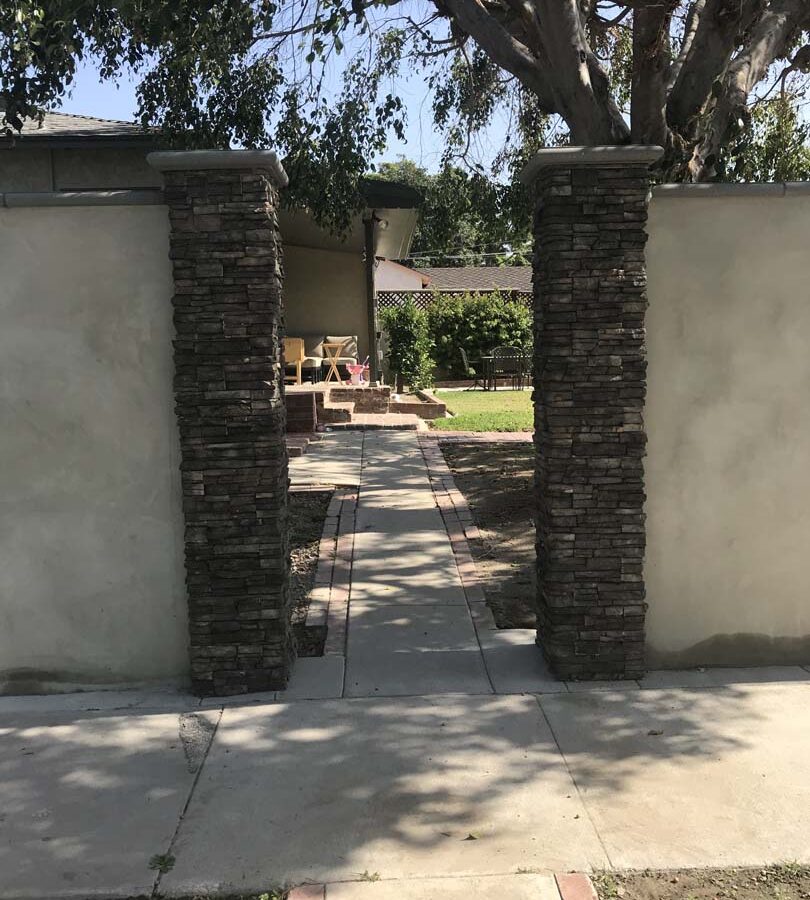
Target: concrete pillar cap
pixel 196 160
pixel 569 157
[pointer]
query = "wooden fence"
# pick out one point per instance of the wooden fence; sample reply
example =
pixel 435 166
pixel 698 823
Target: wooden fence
pixel 424 299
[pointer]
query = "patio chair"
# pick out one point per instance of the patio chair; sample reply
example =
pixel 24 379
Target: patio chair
pixel 293 356
pixel 508 362
pixel 469 371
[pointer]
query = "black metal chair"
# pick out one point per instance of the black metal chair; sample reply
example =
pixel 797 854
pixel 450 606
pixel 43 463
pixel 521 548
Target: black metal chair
pixel 508 362
pixel 469 371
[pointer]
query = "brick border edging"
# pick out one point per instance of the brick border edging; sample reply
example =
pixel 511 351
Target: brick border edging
pixel 329 597
pixel 570 886
pixel 574 886
pixel 456 515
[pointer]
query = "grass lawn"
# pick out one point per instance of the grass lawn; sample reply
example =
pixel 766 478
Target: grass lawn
pixel 503 410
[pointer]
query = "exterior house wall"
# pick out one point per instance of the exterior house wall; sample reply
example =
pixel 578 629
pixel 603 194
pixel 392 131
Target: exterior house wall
pixel 391 276
pixel 325 293
pixel 65 169
pixel 91 536
pixel 728 421
pixel 28 171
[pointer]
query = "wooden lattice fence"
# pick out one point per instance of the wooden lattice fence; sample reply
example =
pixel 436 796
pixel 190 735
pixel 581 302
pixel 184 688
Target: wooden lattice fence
pixel 424 299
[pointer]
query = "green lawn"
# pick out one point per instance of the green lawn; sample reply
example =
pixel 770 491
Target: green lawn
pixel 502 410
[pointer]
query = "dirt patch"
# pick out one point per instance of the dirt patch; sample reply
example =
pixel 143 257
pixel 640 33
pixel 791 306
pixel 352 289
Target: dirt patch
pixel 497 480
pixel 307 515
pixel 788 881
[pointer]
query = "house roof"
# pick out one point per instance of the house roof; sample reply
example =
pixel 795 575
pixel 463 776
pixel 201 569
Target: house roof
pixel 479 278
pixel 66 129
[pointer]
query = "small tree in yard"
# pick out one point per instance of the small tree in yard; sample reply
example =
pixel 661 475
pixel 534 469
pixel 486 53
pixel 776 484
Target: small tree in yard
pixel 409 345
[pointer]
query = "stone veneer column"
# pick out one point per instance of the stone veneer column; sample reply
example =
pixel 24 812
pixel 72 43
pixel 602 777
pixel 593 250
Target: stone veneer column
pixel 228 317
pixel 589 389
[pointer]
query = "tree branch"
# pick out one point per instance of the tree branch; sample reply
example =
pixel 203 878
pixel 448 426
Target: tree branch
pixel 715 38
pixel 502 47
pixel 651 57
pixel 580 84
pixel 769 39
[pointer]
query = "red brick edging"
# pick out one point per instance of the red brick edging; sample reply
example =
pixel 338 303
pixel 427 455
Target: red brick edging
pixel 575 886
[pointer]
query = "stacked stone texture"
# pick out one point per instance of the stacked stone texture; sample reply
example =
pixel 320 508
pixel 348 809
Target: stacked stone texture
pixel 590 383
pixel 226 255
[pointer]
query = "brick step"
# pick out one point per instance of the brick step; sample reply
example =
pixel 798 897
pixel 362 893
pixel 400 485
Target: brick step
pixel 332 413
pixel 423 410
pixel 297 444
pixel 379 421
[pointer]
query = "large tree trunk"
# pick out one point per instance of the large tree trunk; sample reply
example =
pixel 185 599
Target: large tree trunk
pixel 768 41
pixel 651 57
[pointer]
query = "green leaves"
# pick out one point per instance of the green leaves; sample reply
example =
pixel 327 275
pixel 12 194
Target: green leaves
pixel 476 322
pixel 409 345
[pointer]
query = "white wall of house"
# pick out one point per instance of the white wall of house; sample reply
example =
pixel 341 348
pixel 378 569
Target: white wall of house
pixel 728 420
pixel 91 531
pixel 391 276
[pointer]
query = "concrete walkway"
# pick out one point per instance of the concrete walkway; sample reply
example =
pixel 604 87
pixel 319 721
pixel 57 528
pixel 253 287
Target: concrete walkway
pixel 410 629
pixel 451 768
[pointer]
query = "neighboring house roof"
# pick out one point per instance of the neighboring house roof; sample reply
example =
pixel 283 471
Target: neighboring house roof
pixel 479 278
pixel 67 130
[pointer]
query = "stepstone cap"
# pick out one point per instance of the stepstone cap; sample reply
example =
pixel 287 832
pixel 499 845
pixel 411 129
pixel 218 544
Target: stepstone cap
pixel 194 160
pixel 570 157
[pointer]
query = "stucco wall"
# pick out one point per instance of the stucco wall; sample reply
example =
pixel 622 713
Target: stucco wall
pixel 325 293
pixel 728 419
pixel 91 569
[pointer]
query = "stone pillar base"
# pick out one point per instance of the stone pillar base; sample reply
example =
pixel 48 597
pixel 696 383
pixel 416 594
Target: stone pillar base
pixel 589 389
pixel 228 313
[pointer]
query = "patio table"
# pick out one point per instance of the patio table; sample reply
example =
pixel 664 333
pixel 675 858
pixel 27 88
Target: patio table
pixel 332 350
pixel 488 371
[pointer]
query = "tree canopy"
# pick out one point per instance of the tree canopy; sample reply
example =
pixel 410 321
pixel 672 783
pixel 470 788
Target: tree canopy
pixel 466 218
pixel 316 79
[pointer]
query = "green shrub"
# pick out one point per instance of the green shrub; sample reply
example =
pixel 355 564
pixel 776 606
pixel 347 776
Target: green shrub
pixel 476 322
pixel 409 345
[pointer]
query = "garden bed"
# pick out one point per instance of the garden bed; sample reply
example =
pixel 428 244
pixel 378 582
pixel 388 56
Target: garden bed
pixel 788 881
pixel 307 515
pixel 497 482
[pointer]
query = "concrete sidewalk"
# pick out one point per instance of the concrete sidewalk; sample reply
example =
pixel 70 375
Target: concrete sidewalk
pixel 256 795
pixel 445 763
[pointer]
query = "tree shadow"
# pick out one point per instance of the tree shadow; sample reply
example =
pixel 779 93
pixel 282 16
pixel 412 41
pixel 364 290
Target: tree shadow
pixel 328 790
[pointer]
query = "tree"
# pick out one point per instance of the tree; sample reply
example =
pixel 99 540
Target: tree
pixel 312 77
pixel 466 218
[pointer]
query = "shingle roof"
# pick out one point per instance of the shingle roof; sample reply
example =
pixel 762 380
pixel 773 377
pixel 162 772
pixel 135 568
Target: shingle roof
pixel 479 278
pixel 66 127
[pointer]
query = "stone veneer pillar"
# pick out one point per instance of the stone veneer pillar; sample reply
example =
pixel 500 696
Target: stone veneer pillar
pixel 228 317
pixel 589 389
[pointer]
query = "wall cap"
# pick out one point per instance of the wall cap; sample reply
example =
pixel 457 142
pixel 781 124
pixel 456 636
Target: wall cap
pixel 568 157
pixel 194 160
pixel 19 199
pixel 752 189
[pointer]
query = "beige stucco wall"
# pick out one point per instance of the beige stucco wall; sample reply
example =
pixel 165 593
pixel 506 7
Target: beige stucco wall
pixel 325 293
pixel 728 419
pixel 91 570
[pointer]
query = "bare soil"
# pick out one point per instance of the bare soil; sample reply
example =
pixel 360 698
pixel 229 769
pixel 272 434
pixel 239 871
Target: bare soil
pixel 788 881
pixel 307 515
pixel 497 480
